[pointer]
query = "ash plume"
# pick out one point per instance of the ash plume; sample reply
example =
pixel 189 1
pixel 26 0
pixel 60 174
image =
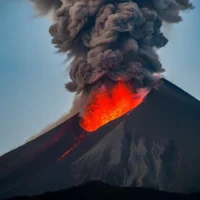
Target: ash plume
pixel 111 39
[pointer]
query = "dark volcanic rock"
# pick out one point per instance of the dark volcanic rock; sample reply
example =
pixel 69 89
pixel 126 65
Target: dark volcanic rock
pixel 99 190
pixel 156 145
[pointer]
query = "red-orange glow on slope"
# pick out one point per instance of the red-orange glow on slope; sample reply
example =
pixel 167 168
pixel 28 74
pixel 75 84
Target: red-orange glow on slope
pixel 69 150
pixel 79 139
pixel 106 106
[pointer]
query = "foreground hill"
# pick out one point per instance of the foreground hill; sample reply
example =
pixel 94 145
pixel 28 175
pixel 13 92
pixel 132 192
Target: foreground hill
pixel 99 190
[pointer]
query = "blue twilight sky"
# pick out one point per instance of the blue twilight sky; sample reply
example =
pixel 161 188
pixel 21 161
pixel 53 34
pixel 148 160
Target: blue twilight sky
pixel 32 75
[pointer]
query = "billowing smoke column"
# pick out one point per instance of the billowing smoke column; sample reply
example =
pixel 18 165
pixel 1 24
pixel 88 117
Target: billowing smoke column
pixel 111 40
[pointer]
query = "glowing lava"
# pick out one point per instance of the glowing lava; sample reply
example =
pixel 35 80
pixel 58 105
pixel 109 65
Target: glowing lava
pixel 106 106
pixel 79 140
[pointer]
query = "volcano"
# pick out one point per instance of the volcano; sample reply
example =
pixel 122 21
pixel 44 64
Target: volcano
pixel 155 145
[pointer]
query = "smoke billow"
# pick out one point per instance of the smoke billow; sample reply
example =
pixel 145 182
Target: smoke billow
pixel 111 40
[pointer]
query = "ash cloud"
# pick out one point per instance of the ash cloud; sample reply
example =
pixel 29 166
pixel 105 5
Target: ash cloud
pixel 111 40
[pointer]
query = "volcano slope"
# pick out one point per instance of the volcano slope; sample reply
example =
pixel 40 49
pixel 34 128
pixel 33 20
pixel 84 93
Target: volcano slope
pixel 156 145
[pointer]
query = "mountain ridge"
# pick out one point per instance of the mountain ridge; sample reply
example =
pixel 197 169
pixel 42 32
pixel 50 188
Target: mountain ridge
pixel 99 190
pixel 157 147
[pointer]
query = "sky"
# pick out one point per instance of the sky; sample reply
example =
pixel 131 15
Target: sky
pixel 32 74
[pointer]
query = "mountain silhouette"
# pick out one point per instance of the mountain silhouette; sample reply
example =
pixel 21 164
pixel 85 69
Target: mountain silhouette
pixel 99 190
pixel 155 146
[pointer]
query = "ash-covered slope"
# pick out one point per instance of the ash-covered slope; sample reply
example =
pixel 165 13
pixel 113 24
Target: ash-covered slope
pixel 156 145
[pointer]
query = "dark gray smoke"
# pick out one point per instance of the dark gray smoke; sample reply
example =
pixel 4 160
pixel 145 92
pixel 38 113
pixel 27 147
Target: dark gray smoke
pixel 111 40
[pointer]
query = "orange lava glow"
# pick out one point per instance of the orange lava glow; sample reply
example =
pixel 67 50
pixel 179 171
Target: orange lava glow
pixel 106 106
pixel 69 150
pixel 79 139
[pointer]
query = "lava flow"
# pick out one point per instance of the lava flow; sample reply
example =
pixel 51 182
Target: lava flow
pixel 106 106
pixel 79 139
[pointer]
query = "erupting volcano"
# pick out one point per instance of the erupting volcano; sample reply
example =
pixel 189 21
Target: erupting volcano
pixel 154 145
pixel 112 46
pixel 106 106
